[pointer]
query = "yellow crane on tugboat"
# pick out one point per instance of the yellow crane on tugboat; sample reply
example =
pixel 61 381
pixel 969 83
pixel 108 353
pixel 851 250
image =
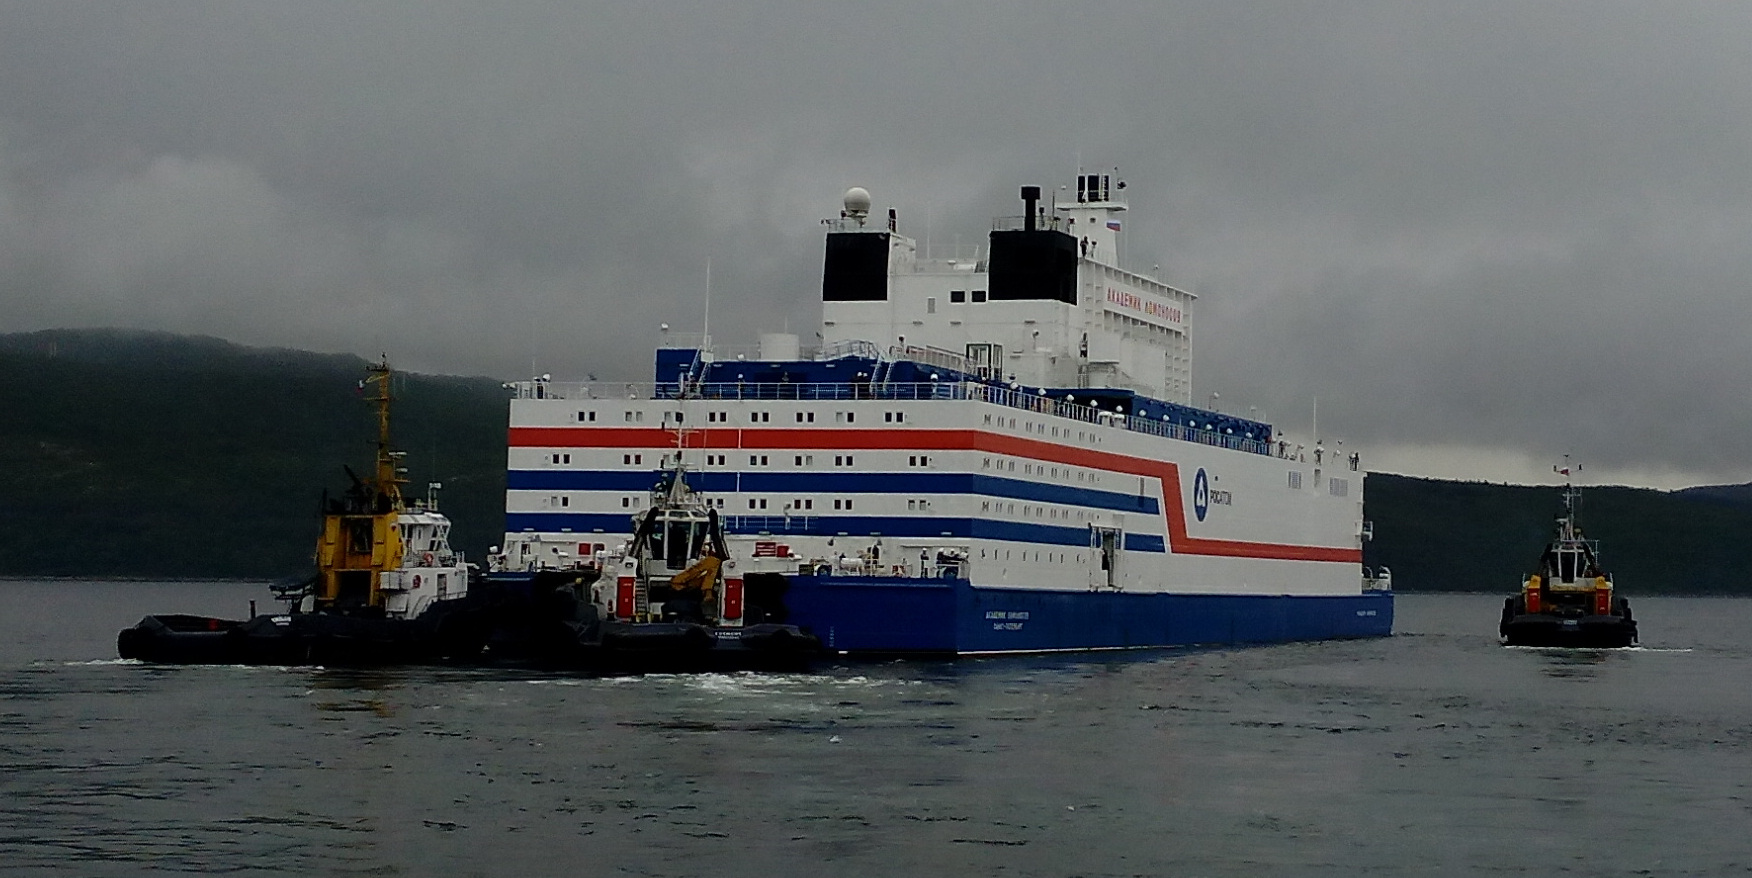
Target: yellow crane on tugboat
pixel 388 587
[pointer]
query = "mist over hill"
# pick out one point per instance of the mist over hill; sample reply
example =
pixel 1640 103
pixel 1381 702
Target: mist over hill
pixel 128 453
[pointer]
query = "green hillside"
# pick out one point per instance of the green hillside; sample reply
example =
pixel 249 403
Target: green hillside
pixel 137 454
pixel 1476 536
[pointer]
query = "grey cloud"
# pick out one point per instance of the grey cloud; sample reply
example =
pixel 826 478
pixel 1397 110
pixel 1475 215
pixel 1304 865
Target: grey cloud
pixel 1486 226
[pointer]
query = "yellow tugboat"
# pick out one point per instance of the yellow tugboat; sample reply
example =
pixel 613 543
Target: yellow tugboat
pixel 1568 600
pixel 388 588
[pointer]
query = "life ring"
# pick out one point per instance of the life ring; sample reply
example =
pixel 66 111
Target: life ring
pixel 426 560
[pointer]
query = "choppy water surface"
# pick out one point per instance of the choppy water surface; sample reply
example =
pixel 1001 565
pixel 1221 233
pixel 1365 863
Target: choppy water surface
pixel 1434 751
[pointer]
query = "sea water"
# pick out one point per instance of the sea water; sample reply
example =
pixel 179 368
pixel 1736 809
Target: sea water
pixel 1435 751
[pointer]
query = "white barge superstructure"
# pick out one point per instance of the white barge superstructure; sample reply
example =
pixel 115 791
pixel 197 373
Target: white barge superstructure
pixel 987 454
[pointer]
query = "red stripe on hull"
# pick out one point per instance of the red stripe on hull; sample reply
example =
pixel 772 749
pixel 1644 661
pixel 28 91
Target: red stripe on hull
pixel 911 439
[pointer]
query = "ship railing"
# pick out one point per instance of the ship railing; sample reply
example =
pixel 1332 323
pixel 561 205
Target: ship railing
pixel 854 347
pixel 1019 222
pixel 853 224
pixel 930 356
pixel 950 265
pixel 1154 425
pixel 767 524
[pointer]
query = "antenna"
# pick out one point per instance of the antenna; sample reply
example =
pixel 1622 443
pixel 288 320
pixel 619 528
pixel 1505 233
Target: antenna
pixel 706 331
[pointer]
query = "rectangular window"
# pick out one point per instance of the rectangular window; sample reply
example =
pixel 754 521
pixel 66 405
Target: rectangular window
pixel 930 304
pixel 957 296
pixel 979 295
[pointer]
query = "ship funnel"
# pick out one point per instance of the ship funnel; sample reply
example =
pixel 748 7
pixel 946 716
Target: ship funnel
pixel 1030 197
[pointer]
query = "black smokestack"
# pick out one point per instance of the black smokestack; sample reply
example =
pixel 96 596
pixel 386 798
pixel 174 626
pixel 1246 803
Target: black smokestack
pixel 1030 195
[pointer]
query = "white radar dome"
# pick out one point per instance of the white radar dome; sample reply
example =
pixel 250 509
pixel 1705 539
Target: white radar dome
pixel 857 201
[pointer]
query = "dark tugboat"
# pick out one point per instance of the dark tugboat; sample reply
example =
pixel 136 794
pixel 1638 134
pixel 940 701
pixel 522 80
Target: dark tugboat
pixel 671 600
pixel 1568 601
pixel 388 588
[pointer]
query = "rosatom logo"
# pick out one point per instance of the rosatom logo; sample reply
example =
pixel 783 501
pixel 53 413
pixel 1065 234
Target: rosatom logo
pixel 1201 494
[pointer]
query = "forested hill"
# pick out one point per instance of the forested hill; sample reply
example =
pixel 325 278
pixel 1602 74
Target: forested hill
pixel 1476 536
pixel 138 454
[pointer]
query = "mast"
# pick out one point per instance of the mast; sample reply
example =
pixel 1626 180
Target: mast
pixel 1572 498
pixel 388 481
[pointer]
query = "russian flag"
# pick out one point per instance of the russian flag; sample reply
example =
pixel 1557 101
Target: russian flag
pixel 1113 224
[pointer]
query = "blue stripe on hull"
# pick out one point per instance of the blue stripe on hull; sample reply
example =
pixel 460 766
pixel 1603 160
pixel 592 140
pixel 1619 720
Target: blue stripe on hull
pixel 878 614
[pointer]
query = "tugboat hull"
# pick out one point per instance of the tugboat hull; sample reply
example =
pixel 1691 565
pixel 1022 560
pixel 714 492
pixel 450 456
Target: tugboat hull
pixel 452 631
pixel 685 647
pixel 1587 632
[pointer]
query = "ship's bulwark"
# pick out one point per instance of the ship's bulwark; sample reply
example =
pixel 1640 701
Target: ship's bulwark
pixel 950 616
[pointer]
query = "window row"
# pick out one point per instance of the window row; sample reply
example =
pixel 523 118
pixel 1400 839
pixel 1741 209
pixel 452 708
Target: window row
pixel 1050 513
pixel 1063 473
pixel 1054 431
pixel 1051 557
pixel 804 417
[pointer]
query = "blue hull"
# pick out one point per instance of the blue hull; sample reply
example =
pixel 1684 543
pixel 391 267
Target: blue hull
pixel 895 615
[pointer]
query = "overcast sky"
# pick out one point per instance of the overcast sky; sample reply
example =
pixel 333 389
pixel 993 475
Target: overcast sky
pixel 1483 235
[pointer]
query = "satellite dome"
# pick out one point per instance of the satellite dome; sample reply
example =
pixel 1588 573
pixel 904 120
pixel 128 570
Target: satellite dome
pixel 857 201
